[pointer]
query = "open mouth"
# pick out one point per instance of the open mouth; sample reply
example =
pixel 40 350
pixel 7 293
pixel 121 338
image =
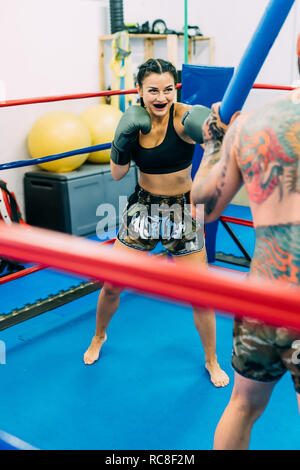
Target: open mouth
pixel 160 105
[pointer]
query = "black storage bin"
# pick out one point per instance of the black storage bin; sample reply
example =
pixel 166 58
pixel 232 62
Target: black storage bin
pixel 68 202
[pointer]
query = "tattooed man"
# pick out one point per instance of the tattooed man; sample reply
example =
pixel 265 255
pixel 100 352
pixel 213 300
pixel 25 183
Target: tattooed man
pixel 262 150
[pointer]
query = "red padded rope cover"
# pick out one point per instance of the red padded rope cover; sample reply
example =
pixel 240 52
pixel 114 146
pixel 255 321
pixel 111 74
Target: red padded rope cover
pixel 272 302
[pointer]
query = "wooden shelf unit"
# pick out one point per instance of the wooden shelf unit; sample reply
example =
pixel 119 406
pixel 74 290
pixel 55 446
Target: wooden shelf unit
pixel 172 48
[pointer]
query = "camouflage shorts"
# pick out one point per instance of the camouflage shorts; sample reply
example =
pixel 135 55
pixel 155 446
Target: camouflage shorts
pixel 265 353
pixel 149 219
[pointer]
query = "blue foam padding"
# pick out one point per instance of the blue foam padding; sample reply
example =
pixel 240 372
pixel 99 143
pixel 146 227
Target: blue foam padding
pixel 204 85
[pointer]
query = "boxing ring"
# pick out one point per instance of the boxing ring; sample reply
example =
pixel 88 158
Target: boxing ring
pixel 59 403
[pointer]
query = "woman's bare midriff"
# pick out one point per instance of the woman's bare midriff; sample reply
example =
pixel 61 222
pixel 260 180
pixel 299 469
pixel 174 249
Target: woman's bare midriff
pixel 169 184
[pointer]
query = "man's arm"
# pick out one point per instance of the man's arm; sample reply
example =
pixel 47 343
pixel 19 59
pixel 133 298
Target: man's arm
pixel 218 177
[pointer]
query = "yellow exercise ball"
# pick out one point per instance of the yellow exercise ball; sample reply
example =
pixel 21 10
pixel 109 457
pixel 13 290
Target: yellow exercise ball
pixel 102 121
pixel 58 132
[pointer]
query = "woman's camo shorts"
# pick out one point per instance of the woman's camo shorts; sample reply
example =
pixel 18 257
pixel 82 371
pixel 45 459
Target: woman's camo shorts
pixel 149 219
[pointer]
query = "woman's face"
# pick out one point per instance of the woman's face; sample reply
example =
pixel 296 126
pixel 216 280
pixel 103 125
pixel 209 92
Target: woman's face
pixel 158 92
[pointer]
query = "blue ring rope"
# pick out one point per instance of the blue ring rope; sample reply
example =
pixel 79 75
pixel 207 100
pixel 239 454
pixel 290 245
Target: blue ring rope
pixel 50 158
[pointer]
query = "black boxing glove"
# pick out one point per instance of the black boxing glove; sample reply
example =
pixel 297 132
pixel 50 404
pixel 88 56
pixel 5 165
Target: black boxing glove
pixel 193 120
pixel 134 119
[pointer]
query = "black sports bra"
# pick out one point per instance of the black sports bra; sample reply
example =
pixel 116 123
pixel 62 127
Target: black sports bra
pixel 173 154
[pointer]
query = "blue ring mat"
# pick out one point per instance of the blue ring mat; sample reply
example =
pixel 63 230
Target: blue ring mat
pixel 149 390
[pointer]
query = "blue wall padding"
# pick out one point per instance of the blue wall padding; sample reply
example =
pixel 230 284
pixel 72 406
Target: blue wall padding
pixel 204 85
pixel 254 57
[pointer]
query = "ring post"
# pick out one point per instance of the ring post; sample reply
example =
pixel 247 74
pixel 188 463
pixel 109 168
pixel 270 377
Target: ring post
pixel 186 40
pixel 254 57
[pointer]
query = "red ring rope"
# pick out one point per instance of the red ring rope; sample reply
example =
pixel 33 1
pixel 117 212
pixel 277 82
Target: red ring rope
pixel 18 274
pixel 236 220
pixel 273 302
pixel 264 86
pixel 34 269
pixel 46 99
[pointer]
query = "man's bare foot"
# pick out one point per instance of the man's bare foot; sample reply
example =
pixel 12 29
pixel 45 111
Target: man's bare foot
pixel 92 354
pixel 218 377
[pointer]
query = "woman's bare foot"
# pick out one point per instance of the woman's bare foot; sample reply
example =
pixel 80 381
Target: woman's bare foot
pixel 218 377
pixel 92 354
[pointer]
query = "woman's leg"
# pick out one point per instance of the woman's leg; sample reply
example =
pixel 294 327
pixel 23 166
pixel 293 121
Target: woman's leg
pixel 108 303
pixel 205 323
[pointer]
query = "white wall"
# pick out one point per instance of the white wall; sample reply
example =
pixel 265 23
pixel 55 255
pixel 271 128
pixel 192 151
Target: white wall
pixel 232 24
pixel 50 47
pixel 47 47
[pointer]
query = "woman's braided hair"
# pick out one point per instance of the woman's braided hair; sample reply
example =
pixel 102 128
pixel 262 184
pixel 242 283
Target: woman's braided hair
pixel 159 66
